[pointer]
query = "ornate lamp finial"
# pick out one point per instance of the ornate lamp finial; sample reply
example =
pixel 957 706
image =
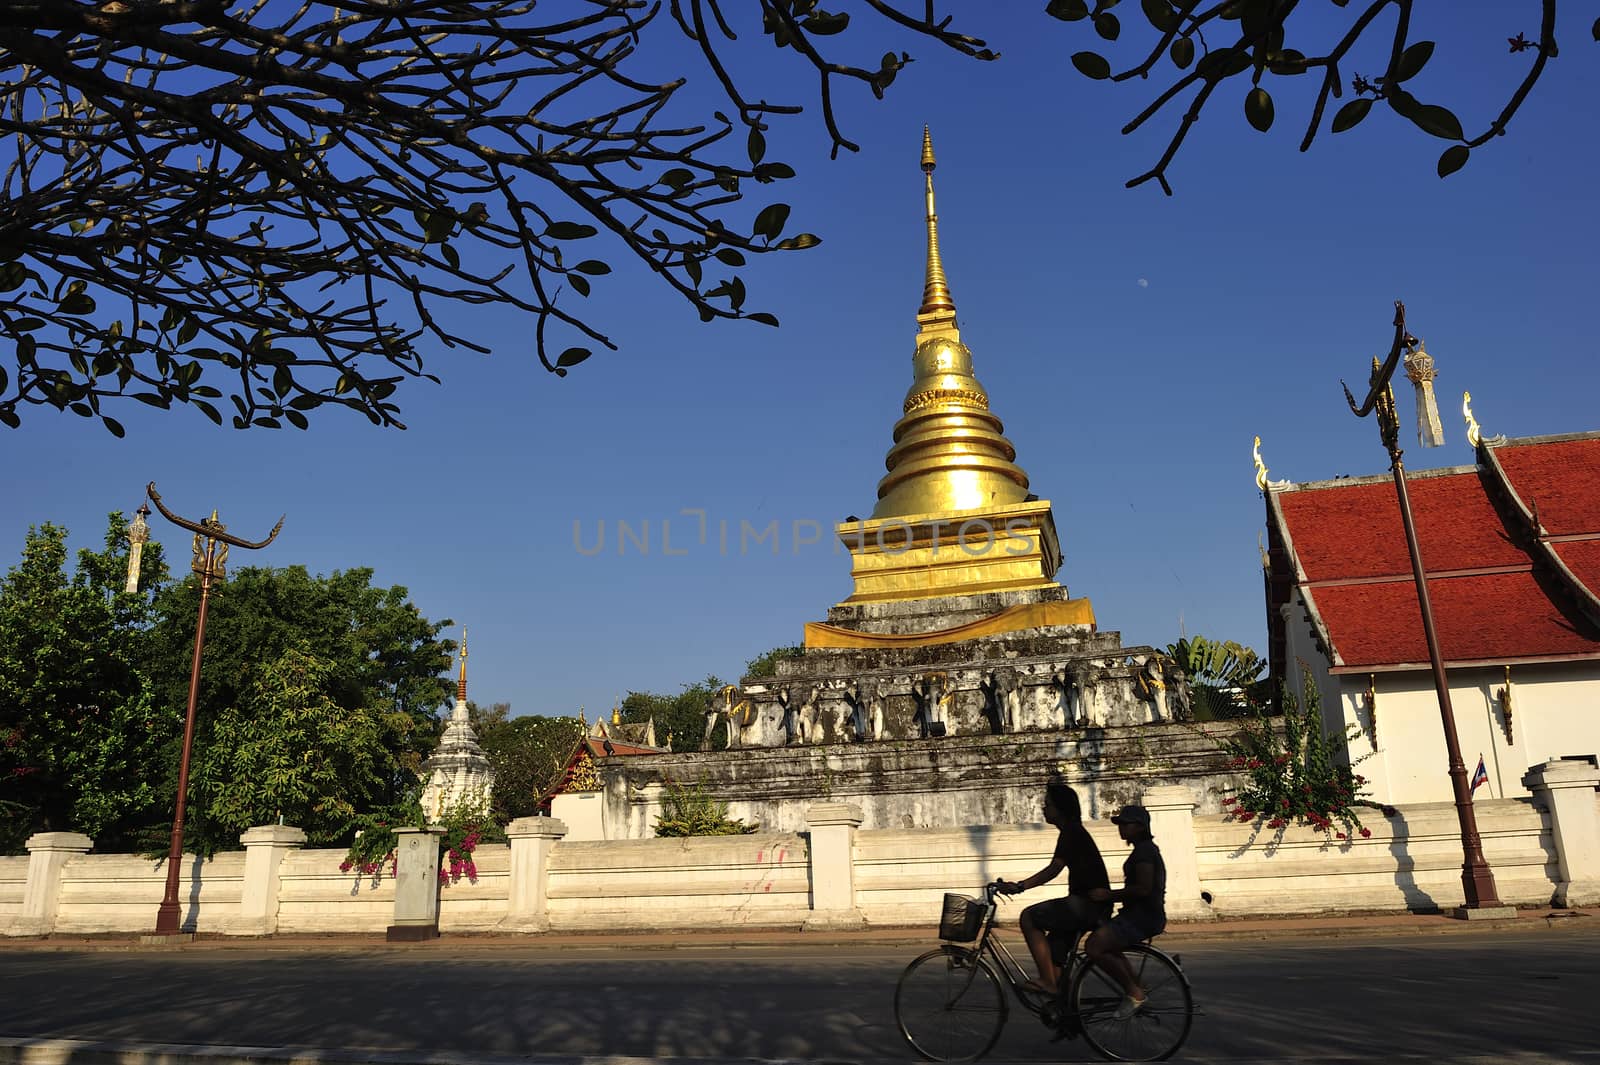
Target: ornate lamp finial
pixel 138 536
pixel 935 291
pixel 461 684
pixel 1420 372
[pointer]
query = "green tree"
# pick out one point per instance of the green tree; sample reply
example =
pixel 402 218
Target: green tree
pixel 288 748
pixel 1224 676
pixel 80 729
pixel 681 718
pixel 766 665
pixel 526 752
pixel 353 174
pixel 370 650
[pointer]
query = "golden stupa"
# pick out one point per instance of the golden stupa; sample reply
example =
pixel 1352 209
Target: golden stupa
pixel 954 516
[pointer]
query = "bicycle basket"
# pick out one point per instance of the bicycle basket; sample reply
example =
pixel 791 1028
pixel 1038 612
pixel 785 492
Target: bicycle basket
pixel 961 919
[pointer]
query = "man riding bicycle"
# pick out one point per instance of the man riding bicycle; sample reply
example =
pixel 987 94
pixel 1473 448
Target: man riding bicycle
pixel 1059 922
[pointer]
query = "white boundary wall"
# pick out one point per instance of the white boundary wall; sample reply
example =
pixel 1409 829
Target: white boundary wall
pixel 1412 861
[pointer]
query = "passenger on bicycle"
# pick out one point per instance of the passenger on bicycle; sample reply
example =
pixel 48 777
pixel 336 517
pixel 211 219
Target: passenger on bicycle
pixel 1059 922
pixel 1144 907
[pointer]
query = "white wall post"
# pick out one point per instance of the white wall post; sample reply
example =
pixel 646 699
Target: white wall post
pixel 1171 809
pixel 1566 789
pixel 264 850
pixel 416 885
pixel 833 873
pixel 48 853
pixel 532 840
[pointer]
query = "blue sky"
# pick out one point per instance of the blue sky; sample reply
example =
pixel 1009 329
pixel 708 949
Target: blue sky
pixel 1133 344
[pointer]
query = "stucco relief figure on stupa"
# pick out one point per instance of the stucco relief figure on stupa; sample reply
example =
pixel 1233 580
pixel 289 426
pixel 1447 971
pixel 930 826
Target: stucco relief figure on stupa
pixel 880 696
pixel 1002 700
pixel 1013 702
pixel 850 722
pixel 800 719
pixel 933 702
pixel 1151 685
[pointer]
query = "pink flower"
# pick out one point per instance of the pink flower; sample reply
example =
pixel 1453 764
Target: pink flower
pixel 1366 833
pixel 344 867
pixel 1339 835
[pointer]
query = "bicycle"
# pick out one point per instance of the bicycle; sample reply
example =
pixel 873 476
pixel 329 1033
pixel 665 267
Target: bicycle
pixel 950 1006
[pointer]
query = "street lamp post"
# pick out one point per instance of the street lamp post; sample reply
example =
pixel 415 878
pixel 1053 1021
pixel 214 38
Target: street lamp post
pixel 211 543
pixel 1477 881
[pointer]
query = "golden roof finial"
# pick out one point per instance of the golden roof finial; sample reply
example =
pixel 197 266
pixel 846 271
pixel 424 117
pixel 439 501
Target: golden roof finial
pixel 616 715
pixel 461 684
pixel 1474 432
pixel 1261 467
pixel 935 291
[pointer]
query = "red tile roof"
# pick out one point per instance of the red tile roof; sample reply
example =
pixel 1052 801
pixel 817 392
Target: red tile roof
pixel 1500 593
pixel 1559 477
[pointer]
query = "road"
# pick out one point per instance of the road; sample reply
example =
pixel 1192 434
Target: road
pixel 1506 996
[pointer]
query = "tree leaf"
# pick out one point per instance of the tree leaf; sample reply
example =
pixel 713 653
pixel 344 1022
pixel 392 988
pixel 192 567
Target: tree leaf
pixel 1258 109
pixel 1453 159
pixel 1067 10
pixel 1182 52
pixel 677 177
pixel 593 266
pixel 76 303
pixel 731 256
pixel 1159 14
pixel 1412 60
pixel 1107 25
pixel 579 283
pixel 1091 65
pixel 438 227
pixel 799 242
pixel 756 146
pixel 1351 113
pixel 569 231
pixel 451 256
pixel 12 275
pixel 1430 118
pixel 824 24
pixel 763 317
pixel 573 356
pixel 769 223
pixel 114 426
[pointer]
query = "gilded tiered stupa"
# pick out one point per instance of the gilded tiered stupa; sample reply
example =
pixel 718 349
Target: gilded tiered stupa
pixel 958 676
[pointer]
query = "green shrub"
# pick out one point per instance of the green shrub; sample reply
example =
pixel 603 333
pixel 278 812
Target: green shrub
pixel 1293 771
pixel 689 811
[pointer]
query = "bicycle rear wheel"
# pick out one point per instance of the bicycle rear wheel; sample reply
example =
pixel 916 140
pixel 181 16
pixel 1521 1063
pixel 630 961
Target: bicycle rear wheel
pixel 1160 1026
pixel 949 1005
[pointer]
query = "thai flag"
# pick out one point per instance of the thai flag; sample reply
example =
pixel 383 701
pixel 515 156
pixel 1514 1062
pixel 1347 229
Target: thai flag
pixel 1480 775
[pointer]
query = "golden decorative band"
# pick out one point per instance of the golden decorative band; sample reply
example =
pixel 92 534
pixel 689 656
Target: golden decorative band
pixel 1012 619
pixel 947 395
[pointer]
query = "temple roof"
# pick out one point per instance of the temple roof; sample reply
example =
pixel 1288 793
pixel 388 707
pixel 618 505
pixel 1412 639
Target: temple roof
pixel 1511 546
pixel 949 454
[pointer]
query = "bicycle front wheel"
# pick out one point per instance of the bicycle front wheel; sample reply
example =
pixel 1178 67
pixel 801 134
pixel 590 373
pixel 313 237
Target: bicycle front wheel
pixel 1162 1023
pixel 949 1005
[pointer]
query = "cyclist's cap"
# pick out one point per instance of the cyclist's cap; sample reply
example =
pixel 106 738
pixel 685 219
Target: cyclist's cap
pixel 1132 815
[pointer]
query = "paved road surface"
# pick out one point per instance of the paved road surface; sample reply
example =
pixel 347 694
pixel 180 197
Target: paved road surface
pixel 1510 996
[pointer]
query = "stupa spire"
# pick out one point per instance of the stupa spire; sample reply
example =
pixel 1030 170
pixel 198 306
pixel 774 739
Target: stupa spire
pixel 936 296
pixel 461 681
pixel 949 453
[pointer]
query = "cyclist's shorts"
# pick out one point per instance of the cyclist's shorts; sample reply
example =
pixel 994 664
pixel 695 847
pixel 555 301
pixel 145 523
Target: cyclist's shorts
pixel 1136 929
pixel 1066 917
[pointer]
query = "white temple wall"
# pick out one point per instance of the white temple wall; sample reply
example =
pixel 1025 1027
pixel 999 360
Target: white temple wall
pixel 1412 861
pixel 13 885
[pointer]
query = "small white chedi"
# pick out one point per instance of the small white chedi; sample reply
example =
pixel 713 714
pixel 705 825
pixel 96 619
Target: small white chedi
pixel 458 772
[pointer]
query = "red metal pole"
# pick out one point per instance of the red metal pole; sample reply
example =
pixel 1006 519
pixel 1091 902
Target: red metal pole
pixel 169 916
pixel 1477 880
